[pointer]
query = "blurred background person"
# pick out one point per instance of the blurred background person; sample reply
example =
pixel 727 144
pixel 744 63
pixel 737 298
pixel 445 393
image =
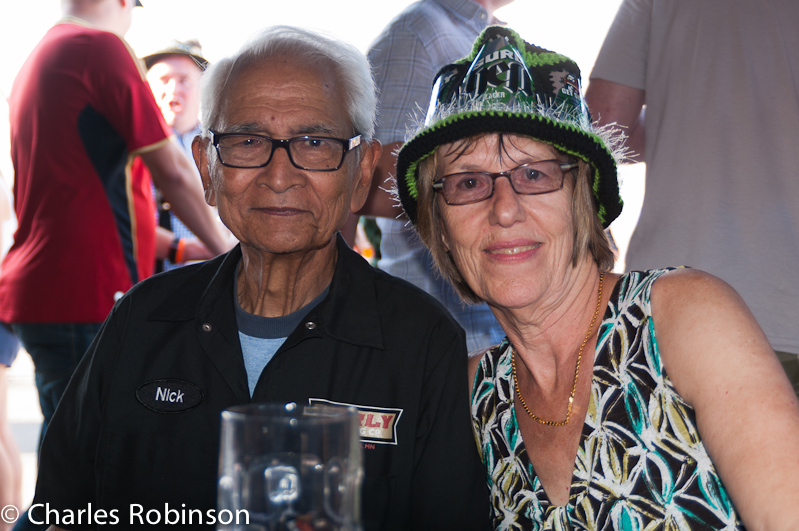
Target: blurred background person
pixel 174 73
pixel 646 400
pixel 405 57
pixel 718 79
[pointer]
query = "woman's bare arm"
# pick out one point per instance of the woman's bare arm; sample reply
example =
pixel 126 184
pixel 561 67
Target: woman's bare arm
pixel 721 363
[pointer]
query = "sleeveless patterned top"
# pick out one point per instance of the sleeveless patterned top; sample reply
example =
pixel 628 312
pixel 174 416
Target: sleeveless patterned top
pixel 640 464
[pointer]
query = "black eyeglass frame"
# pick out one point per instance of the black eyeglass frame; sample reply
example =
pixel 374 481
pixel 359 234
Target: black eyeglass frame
pixel 438 185
pixel 349 144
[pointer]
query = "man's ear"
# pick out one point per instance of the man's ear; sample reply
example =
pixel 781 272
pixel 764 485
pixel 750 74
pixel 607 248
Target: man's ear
pixel 199 149
pixel 360 191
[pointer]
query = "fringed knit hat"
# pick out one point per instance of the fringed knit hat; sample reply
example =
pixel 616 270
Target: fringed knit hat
pixel 509 86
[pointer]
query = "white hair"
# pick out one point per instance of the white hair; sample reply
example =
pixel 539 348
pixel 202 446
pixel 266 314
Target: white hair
pixel 349 64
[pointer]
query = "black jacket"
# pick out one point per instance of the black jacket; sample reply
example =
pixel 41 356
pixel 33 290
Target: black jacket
pixel 374 342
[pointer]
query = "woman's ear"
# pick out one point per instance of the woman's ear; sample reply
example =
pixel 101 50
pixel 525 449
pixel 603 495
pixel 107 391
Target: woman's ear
pixel 444 239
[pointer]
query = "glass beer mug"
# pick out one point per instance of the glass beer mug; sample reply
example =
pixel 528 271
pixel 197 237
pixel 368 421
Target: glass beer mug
pixel 289 467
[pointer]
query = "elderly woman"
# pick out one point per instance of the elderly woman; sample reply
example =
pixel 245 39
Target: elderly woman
pixel 650 400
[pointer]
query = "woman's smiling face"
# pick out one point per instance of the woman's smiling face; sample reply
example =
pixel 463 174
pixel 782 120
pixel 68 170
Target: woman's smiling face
pixel 509 248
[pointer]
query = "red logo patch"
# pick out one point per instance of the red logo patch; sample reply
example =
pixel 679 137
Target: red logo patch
pixel 377 425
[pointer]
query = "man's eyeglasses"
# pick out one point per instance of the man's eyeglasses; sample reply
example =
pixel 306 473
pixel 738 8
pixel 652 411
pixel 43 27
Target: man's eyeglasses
pixel 540 177
pixel 313 153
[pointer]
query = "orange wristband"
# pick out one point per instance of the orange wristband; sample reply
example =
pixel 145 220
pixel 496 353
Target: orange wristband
pixel 180 251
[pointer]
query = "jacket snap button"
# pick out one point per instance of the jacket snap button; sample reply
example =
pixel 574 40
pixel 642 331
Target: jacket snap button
pixel 310 325
pixel 206 327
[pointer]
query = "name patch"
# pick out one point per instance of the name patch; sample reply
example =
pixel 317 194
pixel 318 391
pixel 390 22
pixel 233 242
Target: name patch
pixel 169 395
pixel 377 425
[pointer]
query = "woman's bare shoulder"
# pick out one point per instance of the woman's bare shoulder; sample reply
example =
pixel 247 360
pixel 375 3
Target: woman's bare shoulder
pixel 704 330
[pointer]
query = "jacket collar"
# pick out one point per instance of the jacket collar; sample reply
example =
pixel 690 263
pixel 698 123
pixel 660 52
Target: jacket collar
pixel 349 313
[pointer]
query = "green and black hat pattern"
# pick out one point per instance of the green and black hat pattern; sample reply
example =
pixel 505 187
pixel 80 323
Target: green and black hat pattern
pixel 507 85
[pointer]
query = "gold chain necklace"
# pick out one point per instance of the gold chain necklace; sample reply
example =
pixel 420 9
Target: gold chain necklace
pixel 576 369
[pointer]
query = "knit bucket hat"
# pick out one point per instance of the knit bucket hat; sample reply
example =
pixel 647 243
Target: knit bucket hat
pixel 510 86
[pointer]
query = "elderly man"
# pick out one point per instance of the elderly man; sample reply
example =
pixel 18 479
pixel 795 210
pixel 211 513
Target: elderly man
pixel 290 315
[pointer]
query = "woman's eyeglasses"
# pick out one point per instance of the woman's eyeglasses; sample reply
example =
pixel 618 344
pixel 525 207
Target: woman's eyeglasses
pixel 540 177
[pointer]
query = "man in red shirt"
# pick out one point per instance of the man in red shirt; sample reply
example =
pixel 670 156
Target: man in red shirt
pixel 80 111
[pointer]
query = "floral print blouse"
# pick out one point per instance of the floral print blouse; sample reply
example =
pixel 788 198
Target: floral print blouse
pixel 640 465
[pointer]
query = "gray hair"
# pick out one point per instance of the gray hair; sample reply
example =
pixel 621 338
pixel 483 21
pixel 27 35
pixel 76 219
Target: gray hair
pixel 350 65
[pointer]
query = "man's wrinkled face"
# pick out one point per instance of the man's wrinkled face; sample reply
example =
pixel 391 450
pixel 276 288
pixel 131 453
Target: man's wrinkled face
pixel 280 208
pixel 175 82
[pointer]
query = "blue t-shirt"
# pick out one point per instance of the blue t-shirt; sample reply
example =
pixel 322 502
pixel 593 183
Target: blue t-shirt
pixel 261 337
